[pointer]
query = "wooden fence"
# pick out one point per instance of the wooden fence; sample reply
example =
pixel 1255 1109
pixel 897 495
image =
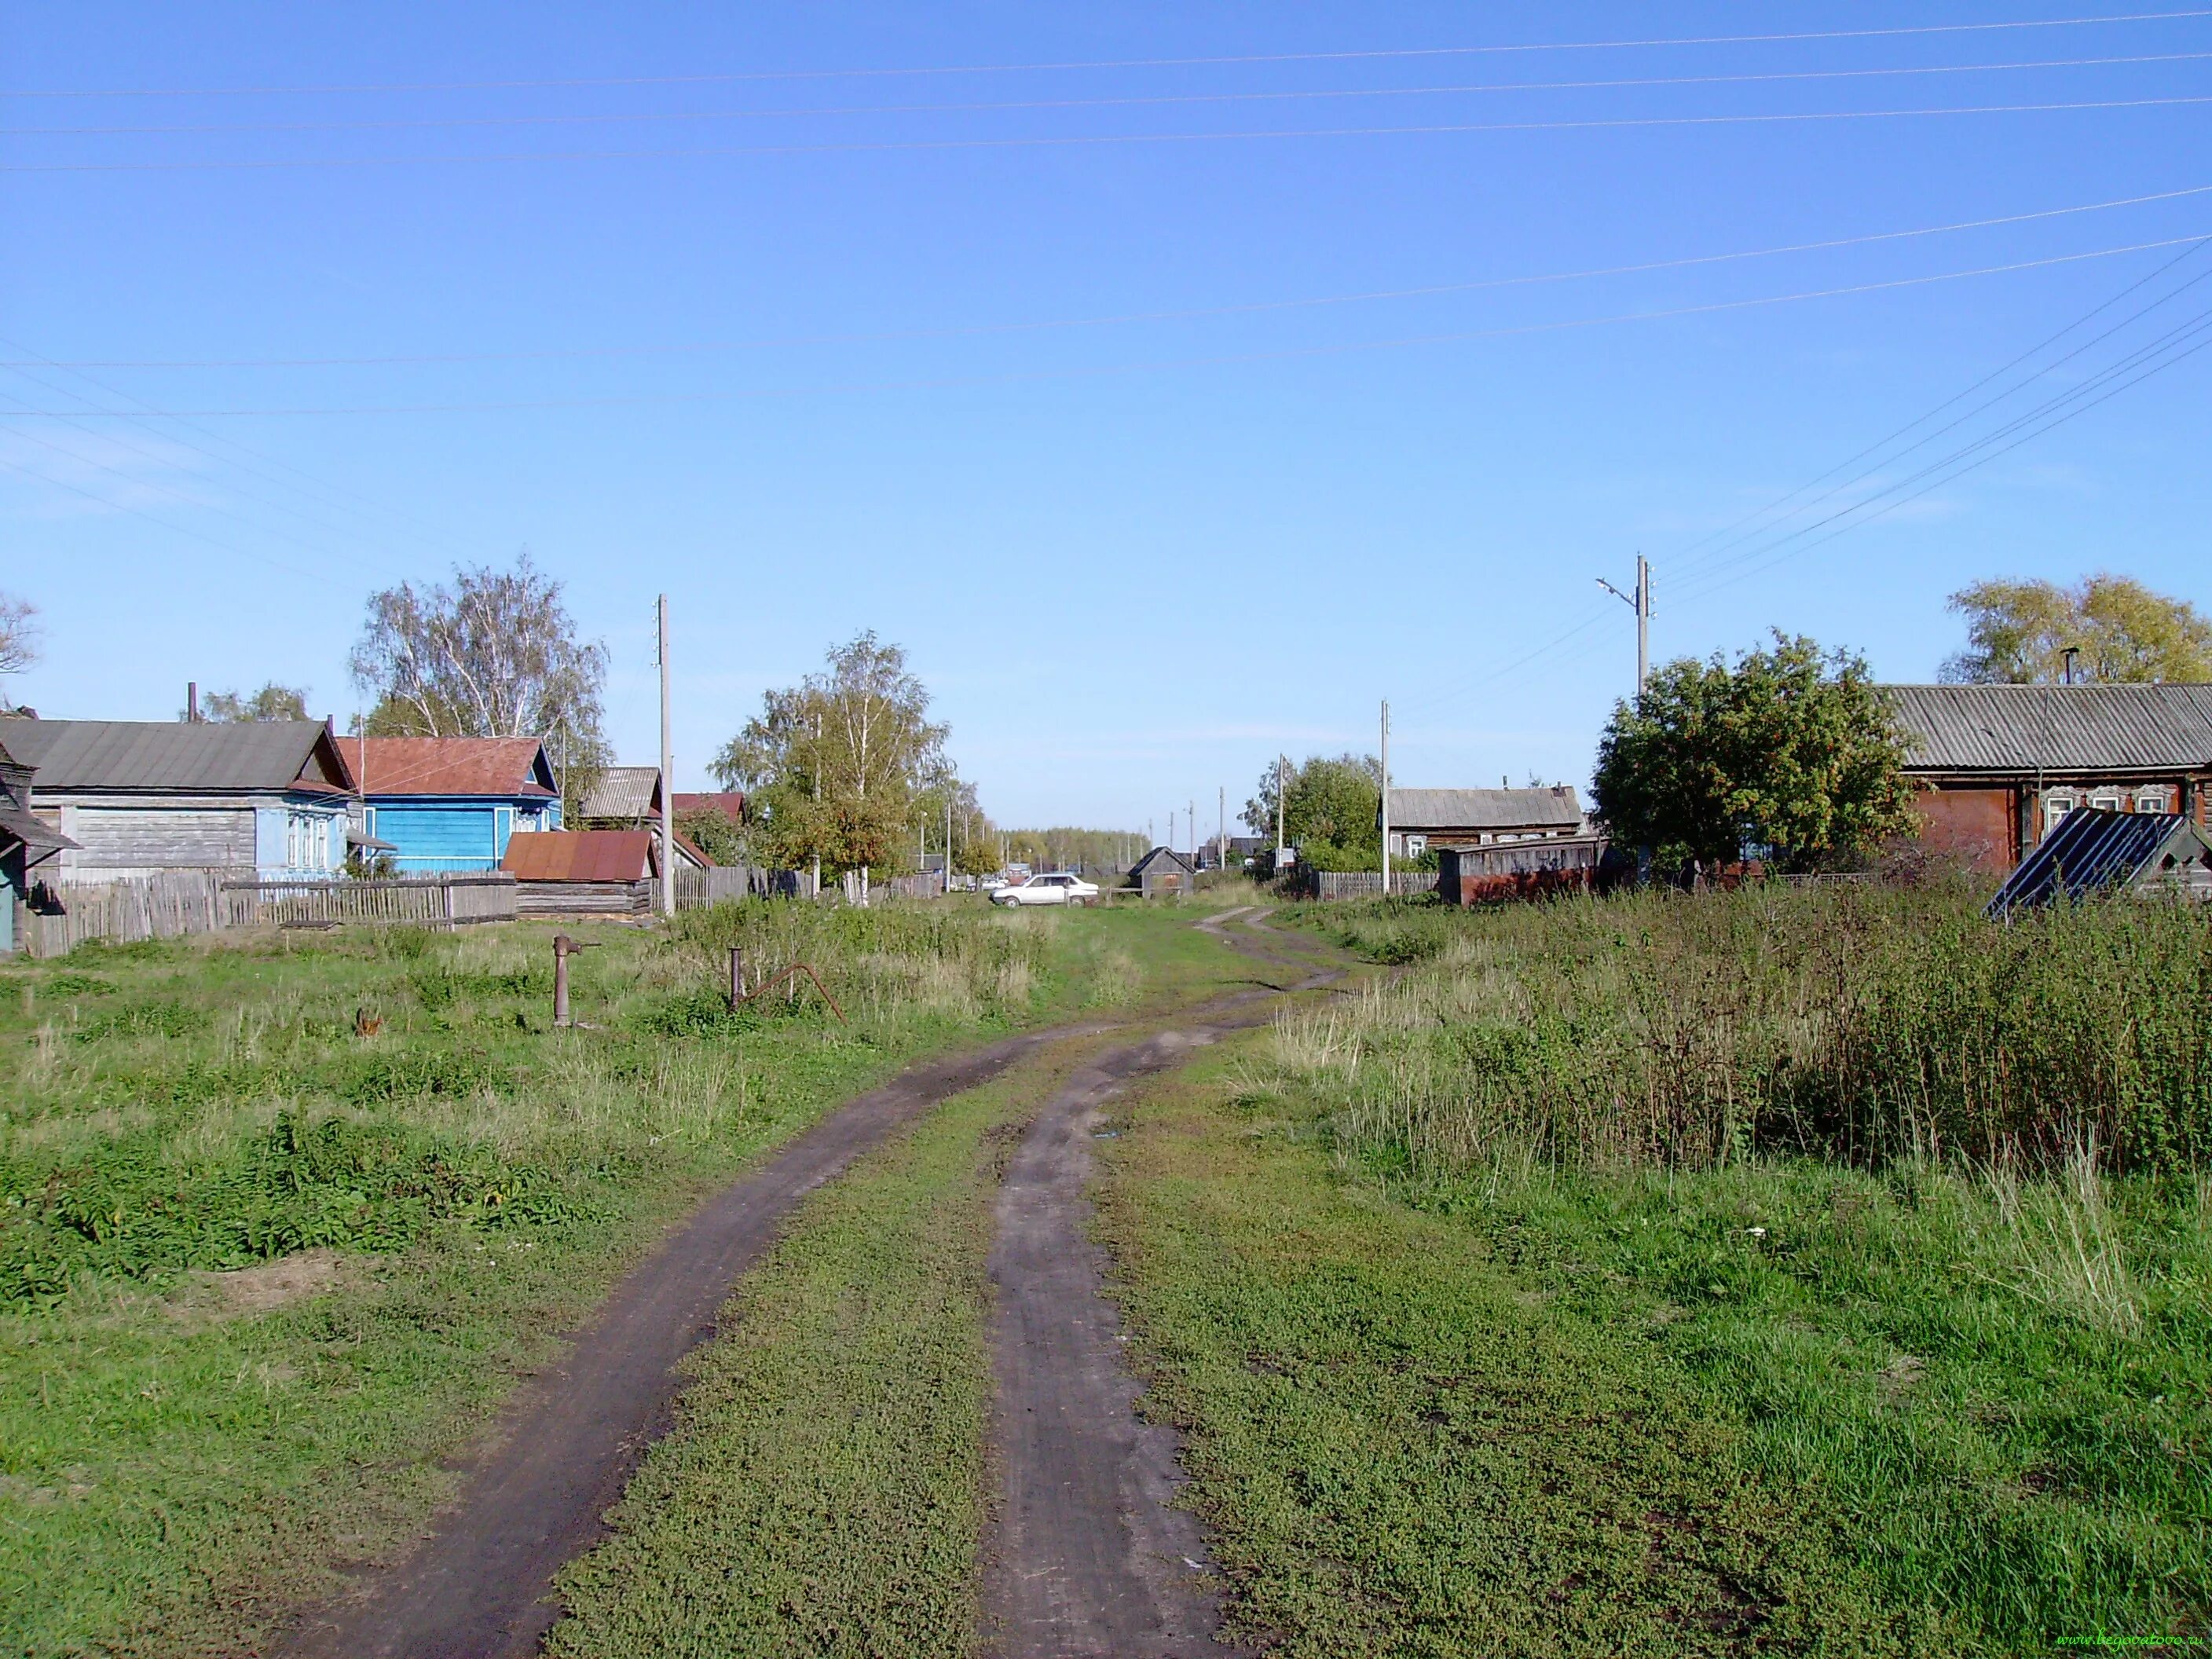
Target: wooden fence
pixel 181 902
pixel 1329 885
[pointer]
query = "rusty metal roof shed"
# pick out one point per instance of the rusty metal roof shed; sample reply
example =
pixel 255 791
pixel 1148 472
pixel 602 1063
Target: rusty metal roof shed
pixel 2017 729
pixel 580 855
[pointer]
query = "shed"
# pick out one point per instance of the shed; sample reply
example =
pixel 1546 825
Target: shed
pixel 135 798
pixel 2003 765
pixel 1537 868
pixel 1421 819
pixel 450 803
pixel 583 873
pixel 621 797
pixel 2093 852
pixel 1162 871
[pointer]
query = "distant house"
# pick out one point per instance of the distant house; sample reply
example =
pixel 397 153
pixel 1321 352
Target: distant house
pixel 2002 765
pixel 583 873
pixel 26 842
pixel 135 798
pixel 730 803
pixel 1423 819
pixel 1163 871
pixel 452 803
pixel 628 798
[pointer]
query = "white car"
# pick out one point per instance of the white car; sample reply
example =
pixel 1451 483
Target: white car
pixel 1048 890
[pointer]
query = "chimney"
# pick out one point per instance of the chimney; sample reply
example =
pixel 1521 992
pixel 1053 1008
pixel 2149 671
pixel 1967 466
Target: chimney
pixel 191 702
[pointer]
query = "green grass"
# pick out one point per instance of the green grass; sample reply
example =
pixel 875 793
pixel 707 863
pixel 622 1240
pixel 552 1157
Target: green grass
pixel 186 1451
pixel 1978 1389
pixel 1401 1445
pixel 823 1489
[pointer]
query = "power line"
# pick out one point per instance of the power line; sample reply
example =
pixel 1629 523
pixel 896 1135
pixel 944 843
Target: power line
pixel 1369 54
pixel 1106 320
pixel 1130 101
pixel 1697 566
pixel 1067 140
pixel 1022 377
pixel 2164 343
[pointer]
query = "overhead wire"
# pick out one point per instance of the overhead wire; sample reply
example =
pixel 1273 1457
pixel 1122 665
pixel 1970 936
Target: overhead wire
pixel 1076 141
pixel 1031 376
pixel 1363 54
pixel 1691 567
pixel 1123 101
pixel 1116 318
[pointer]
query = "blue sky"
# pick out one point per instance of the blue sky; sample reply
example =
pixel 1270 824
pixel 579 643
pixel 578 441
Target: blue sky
pixel 1034 389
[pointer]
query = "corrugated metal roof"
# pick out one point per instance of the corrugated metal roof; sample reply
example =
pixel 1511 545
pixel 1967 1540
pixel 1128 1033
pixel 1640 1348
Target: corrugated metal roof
pixel 169 754
pixel 2093 850
pixel 510 768
pixel 624 792
pixel 1416 810
pixel 2056 728
pixel 580 855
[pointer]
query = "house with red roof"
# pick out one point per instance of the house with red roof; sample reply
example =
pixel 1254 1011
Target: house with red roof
pixel 452 803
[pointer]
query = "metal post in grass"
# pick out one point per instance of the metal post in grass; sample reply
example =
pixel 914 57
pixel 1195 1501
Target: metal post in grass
pixel 563 948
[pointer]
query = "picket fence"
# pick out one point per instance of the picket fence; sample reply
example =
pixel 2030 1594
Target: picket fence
pixel 180 902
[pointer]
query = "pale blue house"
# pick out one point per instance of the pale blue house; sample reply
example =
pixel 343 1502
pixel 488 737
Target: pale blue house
pixel 445 804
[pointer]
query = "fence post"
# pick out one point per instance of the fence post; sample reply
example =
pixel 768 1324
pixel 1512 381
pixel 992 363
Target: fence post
pixel 737 977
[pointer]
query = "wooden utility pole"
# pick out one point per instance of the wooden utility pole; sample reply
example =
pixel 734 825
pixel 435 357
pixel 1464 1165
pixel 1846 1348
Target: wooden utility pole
pixel 1282 789
pixel 1221 825
pixel 667 779
pixel 1386 798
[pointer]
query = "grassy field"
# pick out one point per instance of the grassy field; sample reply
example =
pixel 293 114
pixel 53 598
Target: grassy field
pixel 1507 1319
pixel 285 1217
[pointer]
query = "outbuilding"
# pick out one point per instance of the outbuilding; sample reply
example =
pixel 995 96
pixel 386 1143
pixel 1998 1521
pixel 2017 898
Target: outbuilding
pixel 583 873
pixel 1162 872
pixel 26 842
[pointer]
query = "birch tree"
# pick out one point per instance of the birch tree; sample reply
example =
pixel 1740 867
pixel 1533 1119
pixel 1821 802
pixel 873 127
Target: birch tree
pixel 495 654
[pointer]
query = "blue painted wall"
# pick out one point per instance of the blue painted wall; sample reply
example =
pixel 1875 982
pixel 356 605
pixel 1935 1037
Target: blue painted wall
pixel 430 833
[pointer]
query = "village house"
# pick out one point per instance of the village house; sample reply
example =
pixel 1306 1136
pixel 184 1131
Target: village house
pixel 136 798
pixel 446 803
pixel 1423 820
pixel 2002 765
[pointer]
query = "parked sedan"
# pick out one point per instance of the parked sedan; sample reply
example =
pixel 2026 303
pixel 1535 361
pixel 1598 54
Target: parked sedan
pixel 1048 890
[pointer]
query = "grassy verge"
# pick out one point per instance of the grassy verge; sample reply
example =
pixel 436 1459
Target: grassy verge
pixel 285 1220
pixel 1402 1445
pixel 1494 1215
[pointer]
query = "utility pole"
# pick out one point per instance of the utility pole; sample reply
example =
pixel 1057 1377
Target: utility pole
pixel 667 779
pixel 1282 788
pixel 1640 603
pixel 817 769
pixel 1190 828
pixel 1221 825
pixel 1386 798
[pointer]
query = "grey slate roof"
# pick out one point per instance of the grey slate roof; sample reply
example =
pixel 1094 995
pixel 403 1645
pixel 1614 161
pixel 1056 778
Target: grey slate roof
pixel 623 791
pixel 2056 728
pixel 251 754
pixel 2092 852
pixel 1414 811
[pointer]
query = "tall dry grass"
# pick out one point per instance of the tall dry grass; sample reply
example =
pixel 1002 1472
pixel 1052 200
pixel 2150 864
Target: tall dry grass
pixel 1863 1024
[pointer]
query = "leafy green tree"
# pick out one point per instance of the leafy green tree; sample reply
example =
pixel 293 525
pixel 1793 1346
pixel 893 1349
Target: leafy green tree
pixel 271 702
pixel 1332 808
pixel 713 834
pixel 1792 750
pixel 2018 634
pixel 833 766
